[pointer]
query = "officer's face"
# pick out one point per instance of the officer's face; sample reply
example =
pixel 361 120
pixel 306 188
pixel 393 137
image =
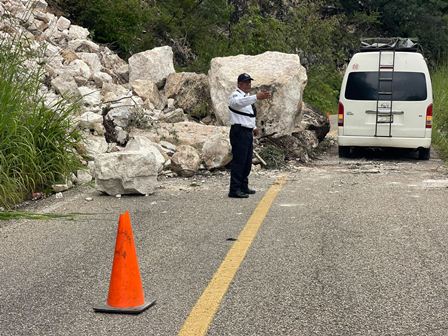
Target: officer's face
pixel 245 86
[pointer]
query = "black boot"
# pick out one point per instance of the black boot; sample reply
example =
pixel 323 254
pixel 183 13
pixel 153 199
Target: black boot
pixel 238 194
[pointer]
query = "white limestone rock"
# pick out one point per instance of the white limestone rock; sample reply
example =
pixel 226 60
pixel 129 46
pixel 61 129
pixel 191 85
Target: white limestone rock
pixel 39 5
pixel 90 120
pixel 186 161
pixel 126 173
pixel 92 60
pixel 83 176
pixel 143 144
pixel 93 146
pixel 217 152
pixel 77 33
pixel 148 91
pixel 63 23
pixel 100 78
pixel 80 45
pixel 120 116
pixel 65 85
pixel 90 97
pixel 175 116
pixel 280 73
pixel 153 65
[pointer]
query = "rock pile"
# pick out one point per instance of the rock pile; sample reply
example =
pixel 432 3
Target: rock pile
pixel 141 118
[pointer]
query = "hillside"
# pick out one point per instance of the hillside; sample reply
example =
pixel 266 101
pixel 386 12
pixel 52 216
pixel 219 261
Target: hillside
pixel 324 33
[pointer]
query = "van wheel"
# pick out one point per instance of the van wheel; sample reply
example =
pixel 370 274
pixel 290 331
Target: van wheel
pixel 344 151
pixel 424 153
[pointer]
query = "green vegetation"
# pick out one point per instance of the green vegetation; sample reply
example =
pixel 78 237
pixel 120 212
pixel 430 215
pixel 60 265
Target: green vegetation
pixel 36 142
pixel 8 215
pixel 324 33
pixel 440 122
pixel 273 156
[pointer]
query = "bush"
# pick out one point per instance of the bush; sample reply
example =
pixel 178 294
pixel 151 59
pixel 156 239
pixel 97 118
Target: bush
pixel 440 122
pixel 36 142
pixel 322 90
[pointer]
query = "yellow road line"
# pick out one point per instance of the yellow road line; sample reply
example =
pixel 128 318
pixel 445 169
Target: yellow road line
pixel 202 314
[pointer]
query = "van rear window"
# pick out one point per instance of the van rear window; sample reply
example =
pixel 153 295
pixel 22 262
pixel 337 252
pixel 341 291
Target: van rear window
pixel 407 86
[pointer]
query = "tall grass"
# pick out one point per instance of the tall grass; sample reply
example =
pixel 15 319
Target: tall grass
pixel 36 141
pixel 440 120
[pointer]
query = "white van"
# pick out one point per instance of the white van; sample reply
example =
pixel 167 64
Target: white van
pixel 386 99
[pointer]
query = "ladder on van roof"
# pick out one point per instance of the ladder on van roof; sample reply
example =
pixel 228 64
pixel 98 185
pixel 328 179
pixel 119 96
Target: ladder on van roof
pixel 385 92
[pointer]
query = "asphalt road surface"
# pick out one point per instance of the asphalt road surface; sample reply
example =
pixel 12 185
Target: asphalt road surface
pixel 342 247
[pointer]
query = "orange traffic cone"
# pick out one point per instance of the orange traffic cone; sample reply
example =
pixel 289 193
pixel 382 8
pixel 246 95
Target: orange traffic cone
pixel 125 290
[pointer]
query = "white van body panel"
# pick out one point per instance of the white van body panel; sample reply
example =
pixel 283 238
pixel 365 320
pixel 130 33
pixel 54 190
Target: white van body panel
pixel 408 129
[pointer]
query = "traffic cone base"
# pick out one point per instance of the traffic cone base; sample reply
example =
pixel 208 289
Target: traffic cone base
pixel 130 310
pixel 125 290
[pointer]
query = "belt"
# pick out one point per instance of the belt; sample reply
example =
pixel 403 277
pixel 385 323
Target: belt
pixel 239 125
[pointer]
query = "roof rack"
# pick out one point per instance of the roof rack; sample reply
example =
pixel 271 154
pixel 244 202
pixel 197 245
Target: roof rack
pixel 389 43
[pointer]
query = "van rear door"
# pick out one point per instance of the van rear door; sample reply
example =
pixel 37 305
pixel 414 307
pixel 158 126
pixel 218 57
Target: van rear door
pixel 409 104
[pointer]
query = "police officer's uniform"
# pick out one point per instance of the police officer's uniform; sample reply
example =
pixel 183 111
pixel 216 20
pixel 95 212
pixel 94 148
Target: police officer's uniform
pixel 242 120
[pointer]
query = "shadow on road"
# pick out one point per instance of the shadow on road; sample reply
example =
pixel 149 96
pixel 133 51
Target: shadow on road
pixel 386 154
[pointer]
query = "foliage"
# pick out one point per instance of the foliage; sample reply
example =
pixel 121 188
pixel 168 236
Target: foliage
pixel 36 142
pixel 273 156
pixel 426 20
pixel 440 123
pixel 322 90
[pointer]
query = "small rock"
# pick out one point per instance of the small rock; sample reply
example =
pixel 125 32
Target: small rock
pixel 59 195
pixel 89 199
pixel 118 195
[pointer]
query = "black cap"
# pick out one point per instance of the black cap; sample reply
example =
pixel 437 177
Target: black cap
pixel 244 77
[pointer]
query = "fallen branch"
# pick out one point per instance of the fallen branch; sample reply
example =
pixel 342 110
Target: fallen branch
pixel 263 162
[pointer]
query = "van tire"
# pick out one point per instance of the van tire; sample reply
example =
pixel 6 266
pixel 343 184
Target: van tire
pixel 344 151
pixel 424 153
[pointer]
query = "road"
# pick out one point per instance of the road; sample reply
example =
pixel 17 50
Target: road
pixel 347 247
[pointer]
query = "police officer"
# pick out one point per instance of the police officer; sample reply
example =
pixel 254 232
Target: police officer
pixel 242 129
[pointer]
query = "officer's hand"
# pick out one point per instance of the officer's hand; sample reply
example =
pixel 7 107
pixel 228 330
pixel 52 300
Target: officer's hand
pixel 263 95
pixel 257 132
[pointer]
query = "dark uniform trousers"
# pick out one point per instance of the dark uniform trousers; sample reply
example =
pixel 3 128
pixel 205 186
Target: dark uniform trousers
pixel 241 139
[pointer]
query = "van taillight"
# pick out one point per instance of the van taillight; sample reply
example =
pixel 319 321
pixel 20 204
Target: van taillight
pixel 341 114
pixel 429 116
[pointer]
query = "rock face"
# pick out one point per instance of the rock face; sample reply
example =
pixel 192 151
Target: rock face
pixel 126 173
pixel 281 74
pixel 153 65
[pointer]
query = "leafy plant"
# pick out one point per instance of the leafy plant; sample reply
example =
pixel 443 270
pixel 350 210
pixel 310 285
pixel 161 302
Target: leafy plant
pixel 36 141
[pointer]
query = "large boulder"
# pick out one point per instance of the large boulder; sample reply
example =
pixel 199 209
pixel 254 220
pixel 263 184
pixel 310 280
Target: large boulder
pixel 153 65
pixel 281 74
pixel 143 144
pixel 126 173
pixel 217 152
pixel 191 93
pixel 186 161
